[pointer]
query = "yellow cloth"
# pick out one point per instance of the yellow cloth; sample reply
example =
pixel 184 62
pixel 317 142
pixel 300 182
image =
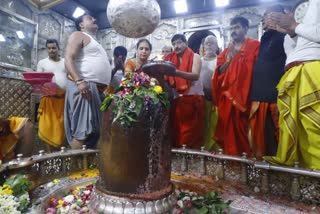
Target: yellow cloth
pixel 299 121
pixel 210 122
pixel 9 142
pixel 50 117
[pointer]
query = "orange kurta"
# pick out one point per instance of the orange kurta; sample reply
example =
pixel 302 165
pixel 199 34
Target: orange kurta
pixel 231 93
pixel 187 111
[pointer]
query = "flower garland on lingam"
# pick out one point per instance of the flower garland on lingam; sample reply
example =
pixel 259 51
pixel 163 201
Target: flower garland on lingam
pixel 137 91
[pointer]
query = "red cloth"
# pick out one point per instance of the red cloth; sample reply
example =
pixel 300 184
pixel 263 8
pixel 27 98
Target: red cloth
pixel 231 94
pixel 181 85
pixel 258 118
pixel 187 115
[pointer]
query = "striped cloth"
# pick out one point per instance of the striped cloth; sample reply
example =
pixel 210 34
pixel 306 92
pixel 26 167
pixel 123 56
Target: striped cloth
pixel 82 117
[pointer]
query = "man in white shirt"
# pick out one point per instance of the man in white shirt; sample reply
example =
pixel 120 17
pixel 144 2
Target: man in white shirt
pixel 165 51
pixel 299 97
pixel 89 73
pixel 51 109
pixel 209 62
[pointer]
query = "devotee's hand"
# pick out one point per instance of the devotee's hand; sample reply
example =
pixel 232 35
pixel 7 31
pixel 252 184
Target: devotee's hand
pixel 84 89
pixel 4 127
pixel 232 51
pixel 119 63
pixel 282 22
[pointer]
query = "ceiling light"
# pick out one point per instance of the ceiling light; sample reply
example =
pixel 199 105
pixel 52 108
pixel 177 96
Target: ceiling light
pixel 20 34
pixel 2 39
pixel 221 3
pixel 45 4
pixel 181 6
pixel 78 12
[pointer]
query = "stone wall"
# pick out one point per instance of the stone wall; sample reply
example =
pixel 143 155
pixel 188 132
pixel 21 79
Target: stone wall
pixel 15 94
pixel 216 22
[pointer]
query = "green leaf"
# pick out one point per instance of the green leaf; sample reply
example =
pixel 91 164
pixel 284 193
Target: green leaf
pixel 213 210
pixel 106 103
pixel 117 116
pixel 19 184
pixel 203 210
pixel 155 101
pixel 131 119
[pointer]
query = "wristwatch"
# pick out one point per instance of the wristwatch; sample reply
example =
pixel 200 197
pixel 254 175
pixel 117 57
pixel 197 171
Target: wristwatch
pixel 300 10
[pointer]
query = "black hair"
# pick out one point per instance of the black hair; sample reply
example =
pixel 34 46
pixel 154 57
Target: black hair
pixel 241 20
pixel 179 36
pixel 79 20
pixel 144 40
pixel 120 51
pixel 50 41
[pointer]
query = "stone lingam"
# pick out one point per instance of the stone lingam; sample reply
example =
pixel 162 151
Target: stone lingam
pixel 135 150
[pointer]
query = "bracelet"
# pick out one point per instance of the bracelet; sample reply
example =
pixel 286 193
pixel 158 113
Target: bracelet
pixel 79 81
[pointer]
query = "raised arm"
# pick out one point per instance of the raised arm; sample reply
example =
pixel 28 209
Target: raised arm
pixel 196 68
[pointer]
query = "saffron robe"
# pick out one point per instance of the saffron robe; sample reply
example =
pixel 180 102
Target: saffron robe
pixel 231 94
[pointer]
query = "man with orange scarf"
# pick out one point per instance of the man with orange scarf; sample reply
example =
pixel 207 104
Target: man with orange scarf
pixel 187 112
pixel 232 82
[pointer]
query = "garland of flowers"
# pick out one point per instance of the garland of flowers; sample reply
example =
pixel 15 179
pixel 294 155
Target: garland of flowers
pixel 14 195
pixel 137 91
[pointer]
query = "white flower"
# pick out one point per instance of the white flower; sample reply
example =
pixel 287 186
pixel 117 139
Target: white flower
pixel 74 207
pixel 180 203
pixel 68 198
pixel 87 192
pixel 153 82
pixel 186 198
pixel 84 209
pixel 24 196
pixel 49 185
pixel 9 204
pixel 65 209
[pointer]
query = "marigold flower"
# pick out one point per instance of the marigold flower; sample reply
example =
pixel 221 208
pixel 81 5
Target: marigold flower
pixel 6 190
pixel 158 89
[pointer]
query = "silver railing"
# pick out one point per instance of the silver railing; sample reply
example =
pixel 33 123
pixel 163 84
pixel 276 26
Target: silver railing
pixel 291 182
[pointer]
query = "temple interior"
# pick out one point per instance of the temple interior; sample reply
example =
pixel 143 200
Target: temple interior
pixel 152 174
